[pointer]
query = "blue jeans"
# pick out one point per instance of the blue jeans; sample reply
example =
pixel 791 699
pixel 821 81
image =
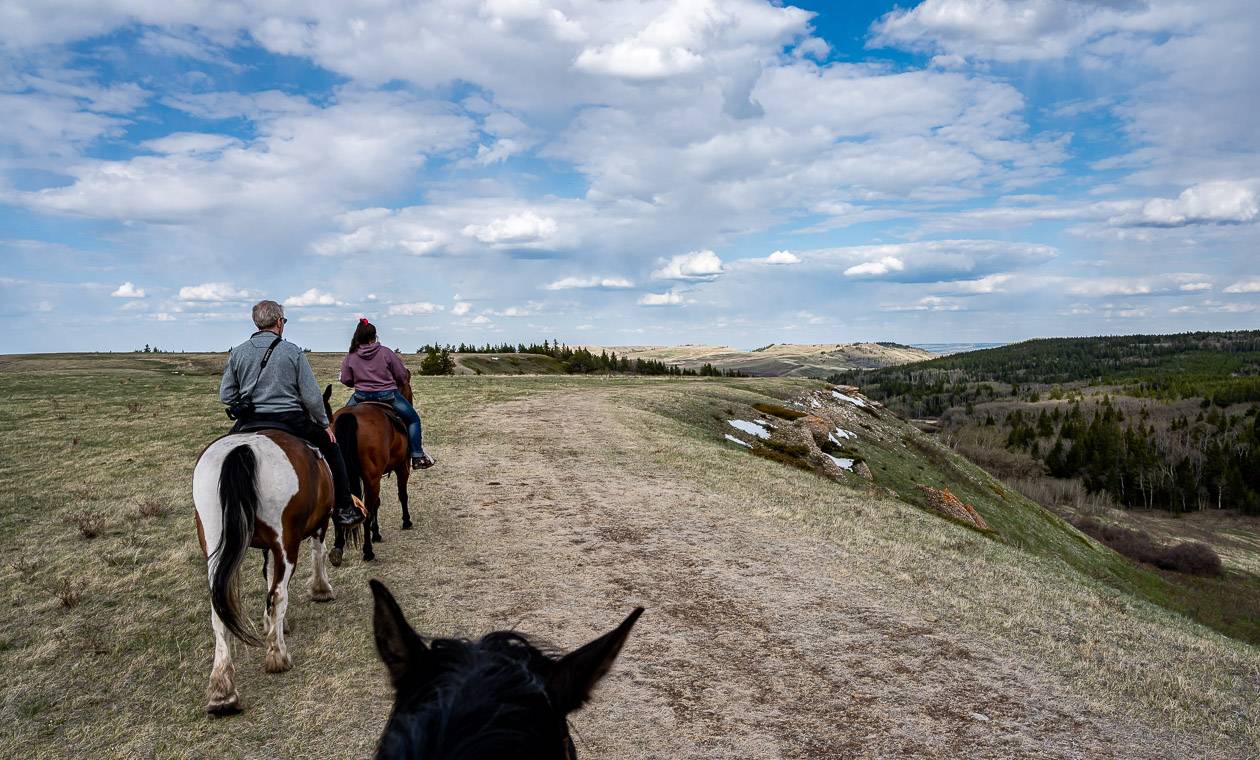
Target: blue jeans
pixel 404 409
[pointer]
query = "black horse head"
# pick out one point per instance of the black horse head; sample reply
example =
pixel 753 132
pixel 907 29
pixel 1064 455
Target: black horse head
pixel 494 698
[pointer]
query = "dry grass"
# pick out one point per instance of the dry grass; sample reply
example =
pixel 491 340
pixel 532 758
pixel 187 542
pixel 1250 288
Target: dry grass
pixel 121 670
pixel 151 508
pixel 90 524
pixel 68 593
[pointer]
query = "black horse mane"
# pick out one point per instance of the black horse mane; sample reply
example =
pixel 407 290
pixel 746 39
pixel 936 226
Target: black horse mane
pixel 477 699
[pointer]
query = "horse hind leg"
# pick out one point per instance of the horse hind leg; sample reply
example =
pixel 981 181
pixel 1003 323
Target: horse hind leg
pixel 403 473
pixel 371 527
pixel 321 588
pixel 277 659
pixel 221 696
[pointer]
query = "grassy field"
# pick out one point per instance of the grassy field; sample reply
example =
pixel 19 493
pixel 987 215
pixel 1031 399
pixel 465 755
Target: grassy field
pixel 558 503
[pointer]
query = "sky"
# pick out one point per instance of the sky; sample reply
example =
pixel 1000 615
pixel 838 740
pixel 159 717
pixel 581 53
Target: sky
pixel 616 172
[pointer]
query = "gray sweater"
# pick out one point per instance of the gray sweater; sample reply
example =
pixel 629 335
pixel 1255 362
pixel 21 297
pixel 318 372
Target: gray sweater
pixel 286 385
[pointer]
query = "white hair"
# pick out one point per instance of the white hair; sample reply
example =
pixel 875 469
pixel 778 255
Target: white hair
pixel 267 314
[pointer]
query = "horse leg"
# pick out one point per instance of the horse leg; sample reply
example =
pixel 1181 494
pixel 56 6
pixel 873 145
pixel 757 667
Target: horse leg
pixel 221 696
pixel 321 589
pixel 404 472
pixel 277 659
pixel 375 487
pixel 371 529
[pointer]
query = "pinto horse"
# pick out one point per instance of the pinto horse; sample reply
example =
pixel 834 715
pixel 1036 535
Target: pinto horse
pixel 494 698
pixel 372 444
pixel 268 490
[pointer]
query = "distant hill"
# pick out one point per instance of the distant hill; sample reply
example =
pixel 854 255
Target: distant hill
pixel 1223 366
pixel 782 359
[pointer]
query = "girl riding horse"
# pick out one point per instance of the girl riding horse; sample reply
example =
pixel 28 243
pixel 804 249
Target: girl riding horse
pixel 376 374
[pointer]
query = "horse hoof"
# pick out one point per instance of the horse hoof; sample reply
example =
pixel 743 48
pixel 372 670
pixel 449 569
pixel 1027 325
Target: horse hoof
pixel 334 557
pixel 325 595
pixel 368 557
pixel 277 662
pixel 377 539
pixel 221 707
pixel 406 525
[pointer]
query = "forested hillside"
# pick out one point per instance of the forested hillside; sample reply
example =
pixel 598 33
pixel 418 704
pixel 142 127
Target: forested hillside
pixel 1153 421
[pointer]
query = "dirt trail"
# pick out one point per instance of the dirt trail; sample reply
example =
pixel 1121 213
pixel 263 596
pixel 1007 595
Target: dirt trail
pixel 758 642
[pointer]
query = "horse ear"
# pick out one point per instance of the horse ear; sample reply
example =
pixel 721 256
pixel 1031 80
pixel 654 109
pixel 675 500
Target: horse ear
pixel 327 392
pixel 399 646
pixel 575 675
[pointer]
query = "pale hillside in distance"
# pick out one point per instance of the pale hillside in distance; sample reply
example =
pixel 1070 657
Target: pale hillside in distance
pixel 782 359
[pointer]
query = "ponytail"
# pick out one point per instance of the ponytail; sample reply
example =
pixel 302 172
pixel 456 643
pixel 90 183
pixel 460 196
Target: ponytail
pixel 364 333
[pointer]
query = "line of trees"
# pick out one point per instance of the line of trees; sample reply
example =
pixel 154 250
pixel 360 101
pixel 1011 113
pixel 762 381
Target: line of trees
pixel 575 361
pixel 1210 462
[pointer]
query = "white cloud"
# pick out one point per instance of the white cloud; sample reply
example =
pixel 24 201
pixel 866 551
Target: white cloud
pixel 1206 203
pixel 668 298
pixel 876 268
pixel 163 316
pixel 1009 30
pixel 1181 282
pixel 415 309
pixel 697 265
pixel 128 290
pixel 634 60
pixel 190 143
pixel 927 303
pixel 934 260
pixel 213 292
pixel 994 283
pixel 1248 285
pixel 460 308
pixel 571 283
pixel 515 229
pixel 783 257
pixel 313 297
pixel 301 166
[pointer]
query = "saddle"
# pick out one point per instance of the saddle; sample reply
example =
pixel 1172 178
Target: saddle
pixel 257 425
pixel 393 416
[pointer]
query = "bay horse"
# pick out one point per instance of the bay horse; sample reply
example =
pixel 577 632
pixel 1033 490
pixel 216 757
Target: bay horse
pixel 372 444
pixel 497 697
pixel 268 490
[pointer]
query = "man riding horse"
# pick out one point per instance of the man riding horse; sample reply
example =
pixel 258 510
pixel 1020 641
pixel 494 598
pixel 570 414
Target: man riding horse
pixel 269 383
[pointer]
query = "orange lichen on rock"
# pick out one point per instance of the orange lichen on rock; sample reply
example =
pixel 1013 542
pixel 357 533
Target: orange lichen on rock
pixel 941 500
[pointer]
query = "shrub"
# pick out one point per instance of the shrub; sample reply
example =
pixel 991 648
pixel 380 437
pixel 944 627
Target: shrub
pixel 1191 557
pixel 68 593
pixel 90 524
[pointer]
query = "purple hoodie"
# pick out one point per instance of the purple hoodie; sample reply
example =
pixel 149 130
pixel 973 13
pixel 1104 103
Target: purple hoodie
pixel 373 367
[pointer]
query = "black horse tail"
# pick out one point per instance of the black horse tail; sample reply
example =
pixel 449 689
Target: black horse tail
pixel 239 499
pixel 346 428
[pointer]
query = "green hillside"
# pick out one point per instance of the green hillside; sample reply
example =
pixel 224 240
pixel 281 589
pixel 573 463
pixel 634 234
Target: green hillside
pixel 507 364
pixel 902 458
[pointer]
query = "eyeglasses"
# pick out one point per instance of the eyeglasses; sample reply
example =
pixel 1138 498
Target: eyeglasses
pixel 284 320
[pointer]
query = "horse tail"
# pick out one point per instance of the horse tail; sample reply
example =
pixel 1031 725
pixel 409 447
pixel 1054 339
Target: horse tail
pixel 238 496
pixel 346 428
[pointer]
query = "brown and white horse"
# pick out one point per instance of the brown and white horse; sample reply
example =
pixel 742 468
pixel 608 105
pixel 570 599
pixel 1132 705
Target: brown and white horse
pixel 372 444
pixel 268 490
